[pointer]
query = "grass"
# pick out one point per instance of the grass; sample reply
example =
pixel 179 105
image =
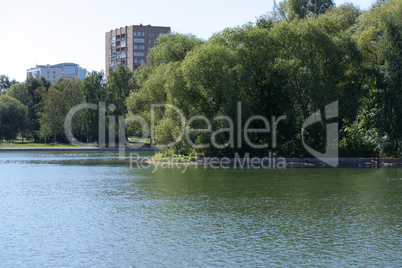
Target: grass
pixel 31 144
pixel 133 140
pixel 176 158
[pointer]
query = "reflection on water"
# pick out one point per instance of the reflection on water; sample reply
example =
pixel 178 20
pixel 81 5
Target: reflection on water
pixel 90 209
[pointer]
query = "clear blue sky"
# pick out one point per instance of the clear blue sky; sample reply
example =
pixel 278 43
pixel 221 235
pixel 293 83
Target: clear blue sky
pixel 50 32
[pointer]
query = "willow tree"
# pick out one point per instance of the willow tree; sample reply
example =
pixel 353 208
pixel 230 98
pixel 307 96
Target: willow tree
pixel 13 117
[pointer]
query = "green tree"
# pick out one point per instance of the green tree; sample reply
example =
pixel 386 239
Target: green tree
pixel 304 55
pixel 172 47
pixel 20 92
pixel 160 81
pixel 13 115
pixel 378 35
pixel 120 84
pixel 6 82
pixel 57 102
pixel 288 10
pixel 93 92
pixel 37 88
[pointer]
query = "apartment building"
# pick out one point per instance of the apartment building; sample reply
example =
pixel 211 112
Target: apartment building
pixel 129 45
pixel 54 72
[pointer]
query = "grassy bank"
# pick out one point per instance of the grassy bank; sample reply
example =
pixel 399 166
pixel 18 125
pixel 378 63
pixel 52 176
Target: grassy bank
pixel 31 144
pixel 171 157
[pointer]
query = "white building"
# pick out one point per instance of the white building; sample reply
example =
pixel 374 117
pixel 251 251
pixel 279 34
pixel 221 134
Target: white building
pixel 54 72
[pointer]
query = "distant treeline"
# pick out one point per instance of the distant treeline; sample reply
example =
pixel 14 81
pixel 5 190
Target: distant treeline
pixel 292 62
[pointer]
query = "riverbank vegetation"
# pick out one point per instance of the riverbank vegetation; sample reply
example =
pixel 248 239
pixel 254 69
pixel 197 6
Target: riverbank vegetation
pixel 290 63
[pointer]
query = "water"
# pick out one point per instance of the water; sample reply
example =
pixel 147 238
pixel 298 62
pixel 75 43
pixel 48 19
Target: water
pixel 90 209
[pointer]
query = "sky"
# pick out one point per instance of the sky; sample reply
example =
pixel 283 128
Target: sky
pixel 50 32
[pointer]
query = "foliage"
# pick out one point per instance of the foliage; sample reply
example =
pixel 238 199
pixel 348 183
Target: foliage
pixel 378 35
pixel 6 82
pixel 293 61
pixel 61 97
pixel 13 115
pixel 171 156
pixel 289 68
pixel 37 88
pixel 93 91
pixel 289 10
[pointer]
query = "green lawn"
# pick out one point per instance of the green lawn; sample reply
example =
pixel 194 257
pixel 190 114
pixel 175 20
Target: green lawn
pixel 31 144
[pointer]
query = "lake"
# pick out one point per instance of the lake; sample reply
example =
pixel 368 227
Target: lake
pixel 91 209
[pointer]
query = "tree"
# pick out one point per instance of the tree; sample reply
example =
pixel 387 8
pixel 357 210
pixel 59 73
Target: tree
pixel 378 36
pixel 171 48
pixel 13 115
pixel 37 88
pixel 20 92
pixel 6 82
pixel 304 55
pixel 57 102
pixel 288 10
pixel 93 91
pixel 161 80
pixel 120 84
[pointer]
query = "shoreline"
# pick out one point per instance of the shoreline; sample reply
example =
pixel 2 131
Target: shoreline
pixel 250 163
pixel 82 149
pixel 267 163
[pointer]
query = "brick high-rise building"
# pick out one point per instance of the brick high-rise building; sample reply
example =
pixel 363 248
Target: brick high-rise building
pixel 130 44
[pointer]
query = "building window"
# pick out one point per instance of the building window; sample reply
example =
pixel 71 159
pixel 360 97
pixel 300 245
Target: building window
pixel 139 40
pixel 138 60
pixel 114 38
pixel 139 34
pixel 162 33
pixel 149 41
pixel 128 62
pixel 139 54
pixel 54 72
pixel 139 47
pixel 113 51
pixel 154 42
